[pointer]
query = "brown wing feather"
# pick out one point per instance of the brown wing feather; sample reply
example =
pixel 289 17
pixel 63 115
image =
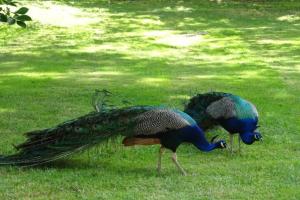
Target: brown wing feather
pixel 131 141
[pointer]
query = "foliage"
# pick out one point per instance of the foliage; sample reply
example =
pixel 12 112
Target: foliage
pixel 10 17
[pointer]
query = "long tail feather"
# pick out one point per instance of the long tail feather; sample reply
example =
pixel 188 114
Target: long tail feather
pixel 72 136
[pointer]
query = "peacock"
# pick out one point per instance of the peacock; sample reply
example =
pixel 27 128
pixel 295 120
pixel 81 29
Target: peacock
pixel 233 113
pixel 139 125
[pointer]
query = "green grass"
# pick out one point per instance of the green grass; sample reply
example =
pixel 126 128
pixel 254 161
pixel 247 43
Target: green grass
pixel 152 53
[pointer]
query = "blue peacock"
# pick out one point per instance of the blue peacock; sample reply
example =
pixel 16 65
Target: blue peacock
pixel 139 125
pixel 233 113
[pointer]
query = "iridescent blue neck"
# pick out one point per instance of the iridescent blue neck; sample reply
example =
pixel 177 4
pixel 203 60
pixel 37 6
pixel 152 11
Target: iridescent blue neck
pixel 235 125
pixel 247 137
pixel 206 148
pixel 193 134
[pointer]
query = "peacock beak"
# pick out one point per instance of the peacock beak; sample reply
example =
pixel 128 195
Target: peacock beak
pixel 258 137
pixel 223 144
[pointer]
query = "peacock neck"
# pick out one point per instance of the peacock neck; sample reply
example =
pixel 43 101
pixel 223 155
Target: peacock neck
pixel 247 137
pixel 235 125
pixel 193 134
pixel 206 148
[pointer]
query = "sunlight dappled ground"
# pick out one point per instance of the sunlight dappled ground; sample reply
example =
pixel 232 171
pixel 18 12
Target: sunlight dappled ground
pixel 289 18
pixel 55 14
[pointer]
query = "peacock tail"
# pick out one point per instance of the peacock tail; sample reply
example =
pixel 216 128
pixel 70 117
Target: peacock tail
pixel 208 108
pixel 81 133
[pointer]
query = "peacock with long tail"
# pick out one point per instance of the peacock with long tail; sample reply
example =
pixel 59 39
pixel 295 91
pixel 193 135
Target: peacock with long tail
pixel 233 113
pixel 139 125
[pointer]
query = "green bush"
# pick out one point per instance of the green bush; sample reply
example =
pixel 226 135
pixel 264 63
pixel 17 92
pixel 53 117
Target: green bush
pixel 10 17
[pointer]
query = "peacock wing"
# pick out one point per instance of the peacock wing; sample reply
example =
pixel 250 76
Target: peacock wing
pixel 159 120
pixel 223 108
pixel 232 106
pixel 197 108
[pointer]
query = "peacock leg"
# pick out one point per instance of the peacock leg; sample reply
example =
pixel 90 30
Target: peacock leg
pixel 239 144
pixel 231 143
pixel 174 158
pixel 161 151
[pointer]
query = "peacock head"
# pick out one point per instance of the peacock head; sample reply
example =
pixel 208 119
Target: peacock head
pixel 250 137
pixel 220 143
pixel 257 136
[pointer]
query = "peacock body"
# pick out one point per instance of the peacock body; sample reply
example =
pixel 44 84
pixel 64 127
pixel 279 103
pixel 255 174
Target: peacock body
pixel 139 125
pixel 232 112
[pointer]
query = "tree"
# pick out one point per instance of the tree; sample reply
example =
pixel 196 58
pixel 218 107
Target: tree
pixel 10 17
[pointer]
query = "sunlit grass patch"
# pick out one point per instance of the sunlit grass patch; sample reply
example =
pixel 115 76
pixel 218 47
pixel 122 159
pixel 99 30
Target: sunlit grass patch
pixel 289 18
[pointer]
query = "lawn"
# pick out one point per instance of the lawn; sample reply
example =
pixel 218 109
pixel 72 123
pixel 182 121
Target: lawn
pixel 153 53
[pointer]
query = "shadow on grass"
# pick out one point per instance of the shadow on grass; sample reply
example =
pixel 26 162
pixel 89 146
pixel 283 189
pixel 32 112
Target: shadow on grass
pixel 101 166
